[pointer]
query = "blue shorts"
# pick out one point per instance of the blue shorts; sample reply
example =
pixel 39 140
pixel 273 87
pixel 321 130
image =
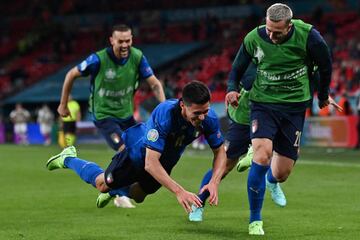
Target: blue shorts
pixel 238 138
pixel 283 128
pixel 122 172
pixel 112 129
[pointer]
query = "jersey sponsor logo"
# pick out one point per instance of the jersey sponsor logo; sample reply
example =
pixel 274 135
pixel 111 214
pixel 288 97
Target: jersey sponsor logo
pixel 152 135
pixel 109 93
pixel 259 54
pixel 288 76
pixel 218 135
pixel 254 125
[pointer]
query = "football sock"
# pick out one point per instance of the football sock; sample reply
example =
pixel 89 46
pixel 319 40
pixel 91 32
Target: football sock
pixel 124 191
pixel 206 179
pixel 256 190
pixel 61 139
pixel 70 139
pixel 88 171
pixel 270 177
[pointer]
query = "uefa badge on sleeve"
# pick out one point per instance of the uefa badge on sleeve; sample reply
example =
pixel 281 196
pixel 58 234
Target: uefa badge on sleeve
pixel 254 125
pixel 152 135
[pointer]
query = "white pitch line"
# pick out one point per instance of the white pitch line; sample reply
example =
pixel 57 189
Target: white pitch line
pixel 300 161
pixel 323 163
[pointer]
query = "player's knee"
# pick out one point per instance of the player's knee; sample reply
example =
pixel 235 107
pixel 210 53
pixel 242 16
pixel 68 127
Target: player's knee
pixel 262 158
pixel 262 154
pixel 100 184
pixel 281 176
pixel 139 199
pixel 137 193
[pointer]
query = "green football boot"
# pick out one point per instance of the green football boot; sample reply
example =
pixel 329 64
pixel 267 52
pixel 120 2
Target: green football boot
pixel 103 199
pixel 277 194
pixel 245 162
pixel 57 161
pixel 196 214
pixel 256 228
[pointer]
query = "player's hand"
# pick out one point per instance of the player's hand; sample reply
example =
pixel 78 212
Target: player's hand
pixel 212 188
pixel 186 199
pixel 330 101
pixel 63 110
pixel 232 98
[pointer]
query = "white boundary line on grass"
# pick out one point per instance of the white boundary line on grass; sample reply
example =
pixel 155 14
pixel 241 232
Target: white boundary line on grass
pixel 300 161
pixel 323 163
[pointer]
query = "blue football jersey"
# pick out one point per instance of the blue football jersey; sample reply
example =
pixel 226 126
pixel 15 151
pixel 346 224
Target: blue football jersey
pixel 91 65
pixel 169 133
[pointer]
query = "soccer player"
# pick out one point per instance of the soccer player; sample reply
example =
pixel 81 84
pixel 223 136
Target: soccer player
pixel 19 117
pixel 153 149
pixel 281 49
pixel 45 120
pixel 67 135
pixel 238 138
pixel 239 146
pixel 115 74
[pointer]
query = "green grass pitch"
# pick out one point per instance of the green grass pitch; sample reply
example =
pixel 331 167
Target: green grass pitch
pixel 323 194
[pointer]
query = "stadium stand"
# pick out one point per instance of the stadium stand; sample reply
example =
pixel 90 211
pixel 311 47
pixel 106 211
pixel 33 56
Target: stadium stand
pixel 61 33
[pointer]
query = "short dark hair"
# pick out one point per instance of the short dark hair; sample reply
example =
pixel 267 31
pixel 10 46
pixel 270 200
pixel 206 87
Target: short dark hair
pixel 195 92
pixel 120 28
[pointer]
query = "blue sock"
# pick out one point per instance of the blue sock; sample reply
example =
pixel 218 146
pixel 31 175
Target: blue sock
pixel 124 191
pixel 256 190
pixel 270 177
pixel 88 171
pixel 206 180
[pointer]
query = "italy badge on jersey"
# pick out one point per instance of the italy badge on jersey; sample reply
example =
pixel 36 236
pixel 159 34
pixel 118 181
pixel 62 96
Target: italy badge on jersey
pixel 152 135
pixel 254 125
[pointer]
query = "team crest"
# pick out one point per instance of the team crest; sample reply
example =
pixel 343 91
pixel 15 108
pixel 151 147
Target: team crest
pixel 254 125
pixel 109 178
pixel 152 135
pixel 115 137
pixel 259 54
pixel 226 145
pixel 110 74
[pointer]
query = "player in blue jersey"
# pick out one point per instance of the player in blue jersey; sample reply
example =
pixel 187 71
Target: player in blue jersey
pixel 153 148
pixel 114 73
pixel 282 50
pixel 238 141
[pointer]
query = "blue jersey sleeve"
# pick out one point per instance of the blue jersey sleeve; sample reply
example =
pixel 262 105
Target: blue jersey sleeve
pixel 144 68
pixel 212 130
pixel 157 128
pixel 90 66
pixel 320 54
pixel 239 66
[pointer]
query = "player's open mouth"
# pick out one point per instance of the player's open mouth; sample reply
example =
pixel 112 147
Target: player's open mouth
pixel 124 51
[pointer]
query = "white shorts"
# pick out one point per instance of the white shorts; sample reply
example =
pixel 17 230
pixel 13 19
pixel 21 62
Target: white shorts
pixel 45 129
pixel 20 128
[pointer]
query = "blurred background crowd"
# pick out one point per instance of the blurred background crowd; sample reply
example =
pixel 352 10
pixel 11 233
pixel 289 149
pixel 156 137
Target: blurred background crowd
pixel 183 41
